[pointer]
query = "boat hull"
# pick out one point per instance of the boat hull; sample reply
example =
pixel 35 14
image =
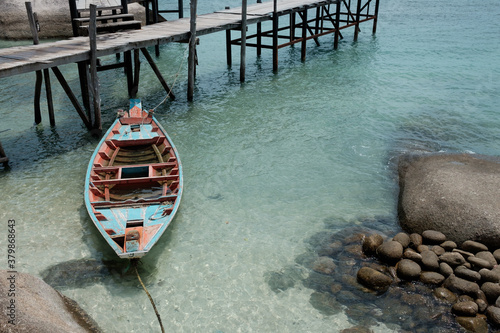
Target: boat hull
pixel 134 183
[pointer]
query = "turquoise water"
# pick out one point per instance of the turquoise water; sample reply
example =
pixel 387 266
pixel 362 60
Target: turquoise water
pixel 267 164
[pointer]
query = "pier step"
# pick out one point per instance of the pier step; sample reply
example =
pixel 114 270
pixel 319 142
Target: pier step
pixel 104 18
pixel 83 30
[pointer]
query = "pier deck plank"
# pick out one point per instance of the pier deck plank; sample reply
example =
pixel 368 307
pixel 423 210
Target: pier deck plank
pixel 24 59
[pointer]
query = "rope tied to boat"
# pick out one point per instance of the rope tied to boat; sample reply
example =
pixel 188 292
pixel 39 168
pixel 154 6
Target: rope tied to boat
pixel 186 51
pixel 134 263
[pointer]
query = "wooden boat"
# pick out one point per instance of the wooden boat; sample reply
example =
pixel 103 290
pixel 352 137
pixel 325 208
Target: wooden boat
pixel 133 185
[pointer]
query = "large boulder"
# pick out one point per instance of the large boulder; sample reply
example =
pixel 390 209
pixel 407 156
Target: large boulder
pixel 458 195
pixel 53 16
pixel 34 306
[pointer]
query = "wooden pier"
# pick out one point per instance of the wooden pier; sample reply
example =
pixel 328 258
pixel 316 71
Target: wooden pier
pixel 328 17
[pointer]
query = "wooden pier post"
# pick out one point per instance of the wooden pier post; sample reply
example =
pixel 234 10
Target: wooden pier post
pixel 304 36
pixel 192 51
pixel 229 56
pixel 97 126
pixel 48 91
pixel 137 71
pixel 356 27
pixel 292 26
pixel 181 8
pixel 259 36
pixel 38 90
pixel 275 35
pixel 38 83
pixel 337 25
pixel 375 17
pixel 243 48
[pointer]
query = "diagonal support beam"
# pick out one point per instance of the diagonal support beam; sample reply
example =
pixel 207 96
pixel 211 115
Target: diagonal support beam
pixel 72 98
pixel 303 16
pixel 157 72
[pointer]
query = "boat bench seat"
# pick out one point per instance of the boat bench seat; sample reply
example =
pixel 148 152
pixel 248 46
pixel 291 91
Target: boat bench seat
pixel 131 202
pixel 141 180
pixel 117 170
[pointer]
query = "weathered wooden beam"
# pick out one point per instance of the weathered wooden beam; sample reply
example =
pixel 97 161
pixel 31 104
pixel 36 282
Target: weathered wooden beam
pixel 48 90
pixel 39 77
pixel 337 25
pixel 275 35
pixel 181 8
pixel 137 71
pixel 127 61
pixel 38 92
pixel 306 22
pixel 228 48
pixel 304 35
pixel 192 51
pixel 97 126
pixel 72 98
pixel 356 28
pixel 243 47
pixel 158 73
pixel 259 35
pixel 375 17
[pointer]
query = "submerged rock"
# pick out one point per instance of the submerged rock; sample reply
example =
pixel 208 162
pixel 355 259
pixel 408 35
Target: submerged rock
pixel 373 279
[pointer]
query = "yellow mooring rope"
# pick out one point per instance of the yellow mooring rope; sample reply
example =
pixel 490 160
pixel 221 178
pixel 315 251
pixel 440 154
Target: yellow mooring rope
pixel 150 298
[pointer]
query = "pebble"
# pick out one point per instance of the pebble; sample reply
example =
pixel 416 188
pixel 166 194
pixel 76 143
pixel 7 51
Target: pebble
pixel 452 258
pixel 324 265
pixel 473 324
pixel 415 240
pixel 473 246
pixel 371 243
pixel 430 260
pixel 496 254
pixel 445 269
pixel 464 254
pixel 445 294
pixel 438 250
pixel 490 275
pixel 467 308
pixel 481 305
pixel 449 245
pixel 454 283
pixel 488 256
pixel 412 255
pixel 468 274
pixel 493 315
pixel 479 263
pixel 433 237
pixel 431 278
pixel 373 279
pixel 491 290
pixel 390 251
pixel 403 238
pixel 408 269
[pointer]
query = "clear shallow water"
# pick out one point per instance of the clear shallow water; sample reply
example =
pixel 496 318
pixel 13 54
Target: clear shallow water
pixel 267 164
